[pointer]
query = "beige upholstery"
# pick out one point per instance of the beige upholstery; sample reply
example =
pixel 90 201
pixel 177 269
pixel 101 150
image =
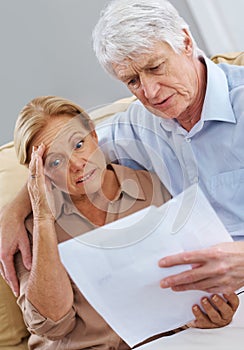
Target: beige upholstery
pixel 231 57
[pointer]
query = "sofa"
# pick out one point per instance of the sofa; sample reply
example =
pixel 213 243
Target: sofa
pixel 13 332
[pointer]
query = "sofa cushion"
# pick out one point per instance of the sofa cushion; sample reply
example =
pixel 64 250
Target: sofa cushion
pixel 231 57
pixel 12 174
pixel 13 331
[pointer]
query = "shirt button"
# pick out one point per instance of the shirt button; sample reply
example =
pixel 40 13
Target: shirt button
pixel 188 139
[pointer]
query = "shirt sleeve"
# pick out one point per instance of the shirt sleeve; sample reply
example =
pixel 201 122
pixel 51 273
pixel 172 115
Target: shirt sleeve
pixel 35 322
pixel 120 138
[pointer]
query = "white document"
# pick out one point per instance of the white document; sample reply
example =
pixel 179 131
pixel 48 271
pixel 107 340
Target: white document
pixel 116 266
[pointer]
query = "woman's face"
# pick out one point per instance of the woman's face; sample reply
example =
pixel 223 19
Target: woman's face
pixel 72 159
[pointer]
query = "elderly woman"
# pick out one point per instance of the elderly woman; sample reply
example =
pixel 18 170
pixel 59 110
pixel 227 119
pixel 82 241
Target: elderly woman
pixel 72 191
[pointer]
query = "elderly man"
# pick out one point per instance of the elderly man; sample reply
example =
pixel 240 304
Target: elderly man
pixel 186 125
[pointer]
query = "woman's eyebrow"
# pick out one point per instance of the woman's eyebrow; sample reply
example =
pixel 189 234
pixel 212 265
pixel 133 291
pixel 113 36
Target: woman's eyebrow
pixel 74 134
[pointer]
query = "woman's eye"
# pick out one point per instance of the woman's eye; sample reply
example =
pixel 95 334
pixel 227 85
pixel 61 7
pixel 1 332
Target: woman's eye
pixel 79 144
pixel 55 163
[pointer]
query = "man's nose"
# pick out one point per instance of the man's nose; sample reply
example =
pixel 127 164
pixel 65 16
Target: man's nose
pixel 150 86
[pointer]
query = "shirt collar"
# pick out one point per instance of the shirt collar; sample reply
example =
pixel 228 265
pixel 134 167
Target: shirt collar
pixel 128 182
pixel 217 105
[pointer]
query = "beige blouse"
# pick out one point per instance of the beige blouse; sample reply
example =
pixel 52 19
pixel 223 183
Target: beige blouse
pixel 82 327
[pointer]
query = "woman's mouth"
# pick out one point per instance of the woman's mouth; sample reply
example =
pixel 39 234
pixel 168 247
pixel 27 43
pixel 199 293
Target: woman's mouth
pixel 85 177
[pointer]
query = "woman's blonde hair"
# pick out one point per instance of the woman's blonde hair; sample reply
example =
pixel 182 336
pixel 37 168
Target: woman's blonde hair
pixel 35 115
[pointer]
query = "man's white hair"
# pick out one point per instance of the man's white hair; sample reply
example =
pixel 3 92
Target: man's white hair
pixel 129 28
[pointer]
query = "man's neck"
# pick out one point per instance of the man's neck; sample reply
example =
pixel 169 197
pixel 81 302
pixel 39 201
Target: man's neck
pixel 193 114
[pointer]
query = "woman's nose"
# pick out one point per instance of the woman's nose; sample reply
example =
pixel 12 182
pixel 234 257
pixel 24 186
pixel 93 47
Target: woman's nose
pixel 76 163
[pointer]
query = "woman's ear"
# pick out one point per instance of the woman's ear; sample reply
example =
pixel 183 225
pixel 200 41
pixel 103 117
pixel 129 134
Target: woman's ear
pixel 94 135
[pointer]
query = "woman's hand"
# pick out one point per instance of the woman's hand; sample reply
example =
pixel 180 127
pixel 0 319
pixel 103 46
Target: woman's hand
pixel 216 311
pixel 39 187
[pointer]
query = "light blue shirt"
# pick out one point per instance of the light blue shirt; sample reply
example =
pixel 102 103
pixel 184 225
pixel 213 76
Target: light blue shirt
pixel 211 153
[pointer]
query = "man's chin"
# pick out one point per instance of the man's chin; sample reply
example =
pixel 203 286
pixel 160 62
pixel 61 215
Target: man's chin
pixel 159 113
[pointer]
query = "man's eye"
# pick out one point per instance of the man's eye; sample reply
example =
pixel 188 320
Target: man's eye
pixel 155 68
pixel 158 68
pixel 134 83
pixel 79 144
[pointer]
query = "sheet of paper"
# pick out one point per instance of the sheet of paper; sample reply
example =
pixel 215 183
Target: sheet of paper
pixel 116 266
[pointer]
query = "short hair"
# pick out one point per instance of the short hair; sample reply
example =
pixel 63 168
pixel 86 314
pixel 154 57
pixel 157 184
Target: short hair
pixel 35 115
pixel 128 28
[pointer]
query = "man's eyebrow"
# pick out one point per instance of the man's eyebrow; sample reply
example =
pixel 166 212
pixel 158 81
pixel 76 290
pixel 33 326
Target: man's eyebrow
pixel 154 62
pixel 125 77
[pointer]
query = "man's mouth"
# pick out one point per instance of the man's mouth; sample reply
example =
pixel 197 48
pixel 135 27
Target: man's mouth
pixel 85 177
pixel 163 101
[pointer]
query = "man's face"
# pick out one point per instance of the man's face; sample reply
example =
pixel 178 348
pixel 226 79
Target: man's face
pixel 165 82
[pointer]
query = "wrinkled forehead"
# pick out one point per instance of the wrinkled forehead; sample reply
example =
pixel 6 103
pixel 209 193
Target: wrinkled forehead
pixel 73 125
pixel 59 132
pixel 72 131
pixel 141 60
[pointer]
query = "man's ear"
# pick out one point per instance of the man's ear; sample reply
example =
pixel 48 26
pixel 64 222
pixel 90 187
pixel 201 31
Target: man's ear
pixel 187 42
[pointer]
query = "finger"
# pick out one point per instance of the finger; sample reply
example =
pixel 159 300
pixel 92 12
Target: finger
pixel 37 154
pixel 199 278
pixel 209 285
pixel 25 249
pixel 185 279
pixel 39 167
pixel 213 313
pixel 192 257
pixel 32 164
pixel 9 274
pixel 201 319
pixel 233 300
pixel 41 149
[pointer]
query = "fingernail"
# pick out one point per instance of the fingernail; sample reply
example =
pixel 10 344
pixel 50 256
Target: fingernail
pixel 164 284
pixel 161 263
pixel 215 298
pixel 205 300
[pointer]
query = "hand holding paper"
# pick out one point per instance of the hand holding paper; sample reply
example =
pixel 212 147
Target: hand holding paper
pixel 210 272
pixel 119 263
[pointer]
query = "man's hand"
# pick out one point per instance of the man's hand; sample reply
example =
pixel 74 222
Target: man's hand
pixel 218 269
pixel 13 237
